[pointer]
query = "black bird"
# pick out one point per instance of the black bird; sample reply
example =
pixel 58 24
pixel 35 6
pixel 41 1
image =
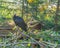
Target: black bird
pixel 20 22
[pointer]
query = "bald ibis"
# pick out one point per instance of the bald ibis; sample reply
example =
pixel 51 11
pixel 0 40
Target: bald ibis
pixel 20 22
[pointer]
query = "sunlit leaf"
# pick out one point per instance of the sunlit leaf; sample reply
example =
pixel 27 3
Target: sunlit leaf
pixel 29 44
pixel 30 1
pixel 47 17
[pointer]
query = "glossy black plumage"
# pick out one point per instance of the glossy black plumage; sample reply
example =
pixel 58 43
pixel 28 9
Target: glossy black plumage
pixel 20 22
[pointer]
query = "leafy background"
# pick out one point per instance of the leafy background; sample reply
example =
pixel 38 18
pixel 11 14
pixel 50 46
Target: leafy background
pixel 38 10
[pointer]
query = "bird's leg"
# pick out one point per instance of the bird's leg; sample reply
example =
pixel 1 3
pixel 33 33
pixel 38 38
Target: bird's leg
pixel 17 32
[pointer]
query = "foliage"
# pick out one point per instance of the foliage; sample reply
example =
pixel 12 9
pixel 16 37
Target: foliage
pixel 38 10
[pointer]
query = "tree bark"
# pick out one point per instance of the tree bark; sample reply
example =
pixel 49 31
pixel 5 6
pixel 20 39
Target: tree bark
pixel 56 16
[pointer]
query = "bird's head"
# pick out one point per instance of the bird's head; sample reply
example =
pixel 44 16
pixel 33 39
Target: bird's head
pixel 15 15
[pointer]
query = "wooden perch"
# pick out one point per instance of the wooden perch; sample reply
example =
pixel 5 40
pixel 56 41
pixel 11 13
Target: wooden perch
pixel 6 27
pixel 5 30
